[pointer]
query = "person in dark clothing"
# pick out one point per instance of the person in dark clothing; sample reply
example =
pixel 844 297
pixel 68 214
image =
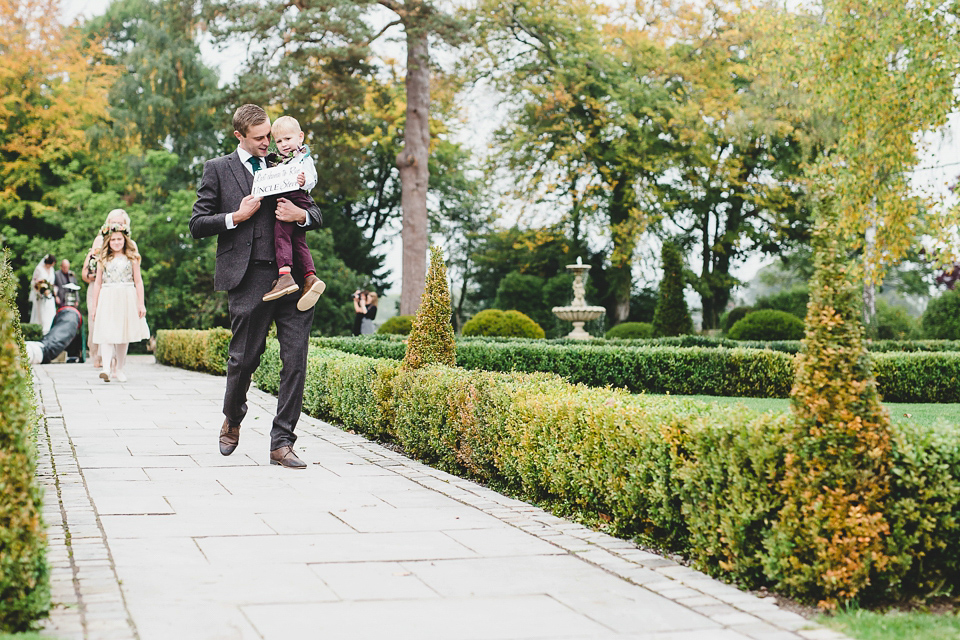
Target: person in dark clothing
pixel 365 311
pixel 63 277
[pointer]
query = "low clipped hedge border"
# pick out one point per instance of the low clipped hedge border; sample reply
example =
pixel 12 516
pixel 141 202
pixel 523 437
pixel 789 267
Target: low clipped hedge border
pixel 194 349
pixel 24 573
pixel 901 377
pixel 930 376
pixel 696 478
pixel 786 346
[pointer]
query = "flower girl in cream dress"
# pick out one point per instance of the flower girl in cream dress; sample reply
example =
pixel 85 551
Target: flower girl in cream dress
pixel 120 316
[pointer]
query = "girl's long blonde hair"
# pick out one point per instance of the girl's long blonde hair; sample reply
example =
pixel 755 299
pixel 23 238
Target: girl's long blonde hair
pixel 124 218
pixel 129 246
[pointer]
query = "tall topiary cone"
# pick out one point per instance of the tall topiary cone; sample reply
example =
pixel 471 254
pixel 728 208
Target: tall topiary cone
pixel 24 586
pixel 431 338
pixel 671 317
pixel 829 536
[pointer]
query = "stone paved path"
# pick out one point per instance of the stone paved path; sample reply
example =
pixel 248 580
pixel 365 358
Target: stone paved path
pixel 155 536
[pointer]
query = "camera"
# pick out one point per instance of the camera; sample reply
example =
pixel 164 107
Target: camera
pixel 357 294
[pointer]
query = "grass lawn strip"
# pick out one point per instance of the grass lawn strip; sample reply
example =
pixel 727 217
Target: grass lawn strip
pixel 926 414
pixel 900 625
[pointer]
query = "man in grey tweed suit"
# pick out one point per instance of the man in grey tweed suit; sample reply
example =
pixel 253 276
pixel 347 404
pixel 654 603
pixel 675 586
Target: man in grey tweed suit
pixel 246 269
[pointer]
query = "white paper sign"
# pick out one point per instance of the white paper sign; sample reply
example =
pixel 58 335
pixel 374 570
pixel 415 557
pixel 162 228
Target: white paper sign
pixel 279 179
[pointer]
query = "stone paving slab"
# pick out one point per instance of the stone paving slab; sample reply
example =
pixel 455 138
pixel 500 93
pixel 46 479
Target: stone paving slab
pixel 154 535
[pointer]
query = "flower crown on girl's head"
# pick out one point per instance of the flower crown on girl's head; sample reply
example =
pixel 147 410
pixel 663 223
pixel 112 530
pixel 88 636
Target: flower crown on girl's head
pixel 107 229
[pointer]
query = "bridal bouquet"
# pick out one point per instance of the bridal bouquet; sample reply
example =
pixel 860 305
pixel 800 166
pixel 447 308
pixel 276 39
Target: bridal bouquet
pixel 43 288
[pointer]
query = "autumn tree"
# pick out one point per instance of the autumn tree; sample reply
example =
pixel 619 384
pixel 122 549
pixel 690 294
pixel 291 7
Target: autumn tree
pixel 52 89
pixel 874 75
pixel 634 120
pixel 731 188
pixel 581 130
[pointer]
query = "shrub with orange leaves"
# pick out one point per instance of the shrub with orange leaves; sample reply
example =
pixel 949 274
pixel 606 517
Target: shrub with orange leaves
pixel 829 537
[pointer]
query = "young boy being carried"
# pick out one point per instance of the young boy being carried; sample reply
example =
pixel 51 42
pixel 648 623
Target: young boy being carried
pixel 290 242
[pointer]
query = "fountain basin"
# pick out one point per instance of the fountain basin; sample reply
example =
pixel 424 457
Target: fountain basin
pixel 578 314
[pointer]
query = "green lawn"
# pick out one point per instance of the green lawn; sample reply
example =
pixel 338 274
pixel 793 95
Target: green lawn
pixel 894 625
pixel 922 414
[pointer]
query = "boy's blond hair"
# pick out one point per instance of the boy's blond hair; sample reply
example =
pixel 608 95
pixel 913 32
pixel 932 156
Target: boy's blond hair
pixel 285 123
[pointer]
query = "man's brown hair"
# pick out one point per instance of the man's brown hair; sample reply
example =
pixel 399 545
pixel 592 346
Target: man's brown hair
pixel 247 116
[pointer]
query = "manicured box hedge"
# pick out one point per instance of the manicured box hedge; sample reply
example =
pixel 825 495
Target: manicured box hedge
pixel 922 376
pixel 918 376
pixel 786 346
pixel 195 349
pixel 24 574
pixel 677 370
pixel 697 478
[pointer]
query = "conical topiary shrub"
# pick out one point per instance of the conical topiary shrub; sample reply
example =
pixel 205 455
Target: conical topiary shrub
pixel 671 317
pixel 829 537
pixel 431 338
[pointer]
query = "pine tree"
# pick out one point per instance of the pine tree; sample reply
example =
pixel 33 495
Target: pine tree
pixel 671 317
pixel 431 338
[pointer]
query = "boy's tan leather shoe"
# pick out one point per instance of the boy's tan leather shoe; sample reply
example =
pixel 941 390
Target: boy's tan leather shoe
pixel 284 285
pixel 312 290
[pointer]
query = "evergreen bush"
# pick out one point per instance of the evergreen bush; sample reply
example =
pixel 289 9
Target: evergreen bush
pixel 671 317
pixel 767 324
pixel 431 337
pixel 793 301
pixel 894 323
pixel 397 325
pixel 506 324
pixel 520 291
pixel 941 320
pixel 31 332
pixel 630 331
pixel 730 318
pixel 24 574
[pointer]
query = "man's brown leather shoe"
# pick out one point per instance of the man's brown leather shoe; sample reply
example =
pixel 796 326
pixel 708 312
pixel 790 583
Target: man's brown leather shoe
pixel 229 438
pixel 285 456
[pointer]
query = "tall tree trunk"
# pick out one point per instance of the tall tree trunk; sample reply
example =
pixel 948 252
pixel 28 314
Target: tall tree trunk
pixel 624 228
pixel 870 268
pixel 708 308
pixel 715 279
pixel 414 172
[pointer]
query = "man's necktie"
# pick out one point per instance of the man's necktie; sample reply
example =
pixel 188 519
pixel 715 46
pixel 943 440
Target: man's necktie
pixel 255 163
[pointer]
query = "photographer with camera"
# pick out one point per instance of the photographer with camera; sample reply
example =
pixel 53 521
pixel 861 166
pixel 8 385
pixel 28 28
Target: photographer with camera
pixel 365 310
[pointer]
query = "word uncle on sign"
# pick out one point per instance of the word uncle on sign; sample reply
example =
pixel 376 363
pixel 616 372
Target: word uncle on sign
pixel 279 179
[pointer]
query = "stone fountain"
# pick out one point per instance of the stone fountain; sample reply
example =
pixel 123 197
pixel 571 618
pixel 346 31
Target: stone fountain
pixel 578 312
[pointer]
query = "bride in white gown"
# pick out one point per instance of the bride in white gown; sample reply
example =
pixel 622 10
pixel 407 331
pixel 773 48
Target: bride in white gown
pixel 43 306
